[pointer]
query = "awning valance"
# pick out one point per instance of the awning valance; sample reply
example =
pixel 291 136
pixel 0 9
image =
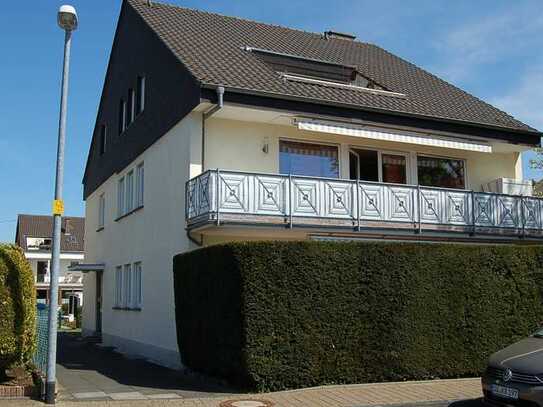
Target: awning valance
pixel 86 267
pixel 354 130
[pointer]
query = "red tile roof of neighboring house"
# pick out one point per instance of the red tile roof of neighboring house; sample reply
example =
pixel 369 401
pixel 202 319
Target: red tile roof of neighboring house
pixel 41 226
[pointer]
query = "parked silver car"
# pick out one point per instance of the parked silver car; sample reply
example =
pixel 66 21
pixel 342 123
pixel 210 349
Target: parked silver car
pixel 514 376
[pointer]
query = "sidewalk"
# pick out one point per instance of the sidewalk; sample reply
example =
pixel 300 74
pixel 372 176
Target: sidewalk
pixel 443 392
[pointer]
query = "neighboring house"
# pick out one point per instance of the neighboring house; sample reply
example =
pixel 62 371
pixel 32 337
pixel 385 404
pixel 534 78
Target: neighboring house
pixel 214 128
pixel 34 235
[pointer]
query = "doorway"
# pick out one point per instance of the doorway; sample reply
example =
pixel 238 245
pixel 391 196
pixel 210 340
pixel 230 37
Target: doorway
pixel 98 328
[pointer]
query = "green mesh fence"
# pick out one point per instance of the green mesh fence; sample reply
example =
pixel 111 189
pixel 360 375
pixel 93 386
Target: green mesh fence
pixel 40 355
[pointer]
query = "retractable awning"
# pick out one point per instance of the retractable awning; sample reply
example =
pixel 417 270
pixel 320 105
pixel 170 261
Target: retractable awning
pixel 353 130
pixel 86 267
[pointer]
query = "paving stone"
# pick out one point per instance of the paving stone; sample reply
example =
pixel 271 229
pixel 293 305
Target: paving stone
pixel 130 395
pixel 90 395
pixel 164 396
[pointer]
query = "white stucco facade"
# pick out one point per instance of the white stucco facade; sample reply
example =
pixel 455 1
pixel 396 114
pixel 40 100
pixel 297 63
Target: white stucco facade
pixel 155 233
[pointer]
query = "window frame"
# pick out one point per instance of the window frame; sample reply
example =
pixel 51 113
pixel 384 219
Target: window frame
pixel 122 116
pixel 103 140
pixel 118 302
pixel 131 106
pixel 127 286
pixel 140 94
pixel 305 141
pixel 410 177
pixel 101 210
pixel 140 185
pixel 466 180
pixel 129 192
pixel 137 294
pixel 121 197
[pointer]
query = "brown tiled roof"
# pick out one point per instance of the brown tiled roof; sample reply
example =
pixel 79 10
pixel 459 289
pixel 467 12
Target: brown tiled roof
pixel 72 237
pixel 211 46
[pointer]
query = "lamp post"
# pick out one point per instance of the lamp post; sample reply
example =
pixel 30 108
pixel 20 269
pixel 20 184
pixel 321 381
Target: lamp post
pixel 67 20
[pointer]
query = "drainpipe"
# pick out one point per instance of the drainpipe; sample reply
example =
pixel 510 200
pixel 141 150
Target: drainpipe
pixel 207 115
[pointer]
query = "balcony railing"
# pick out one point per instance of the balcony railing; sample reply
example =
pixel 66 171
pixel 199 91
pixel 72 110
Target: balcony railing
pixel 218 197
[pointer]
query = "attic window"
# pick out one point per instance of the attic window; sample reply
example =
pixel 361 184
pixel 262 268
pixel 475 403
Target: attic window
pixel 313 68
pixel 325 73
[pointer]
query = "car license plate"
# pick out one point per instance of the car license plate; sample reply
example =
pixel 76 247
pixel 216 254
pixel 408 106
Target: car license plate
pixel 503 391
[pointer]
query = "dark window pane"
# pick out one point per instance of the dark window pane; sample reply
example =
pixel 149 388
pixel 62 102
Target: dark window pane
pixel 122 116
pixel 140 96
pixel 308 159
pixel 131 106
pixel 394 168
pixel 368 165
pixel 441 172
pixel 353 165
pixel 103 139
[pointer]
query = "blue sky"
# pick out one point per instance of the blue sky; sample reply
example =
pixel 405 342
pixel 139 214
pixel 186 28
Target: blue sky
pixel 490 48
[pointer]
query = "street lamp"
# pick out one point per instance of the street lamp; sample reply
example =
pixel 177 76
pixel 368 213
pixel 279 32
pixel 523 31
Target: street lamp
pixel 67 20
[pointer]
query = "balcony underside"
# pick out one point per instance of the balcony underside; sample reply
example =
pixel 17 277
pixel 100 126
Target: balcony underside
pixel 275 227
pixel 263 206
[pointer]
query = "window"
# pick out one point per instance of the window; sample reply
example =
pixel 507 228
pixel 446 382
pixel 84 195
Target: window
pixel 140 97
pixel 38 243
pixel 441 172
pixel 128 286
pixel 364 165
pixel 131 105
pixel 122 117
pixel 308 159
pixel 137 296
pixel 129 192
pixel 139 185
pixel 119 286
pixel 101 211
pixel 103 139
pixel 394 168
pixel 42 270
pixel 378 166
pixel 120 198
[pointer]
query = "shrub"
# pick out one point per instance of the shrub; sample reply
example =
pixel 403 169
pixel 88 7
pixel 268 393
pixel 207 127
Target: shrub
pixel 17 308
pixel 275 315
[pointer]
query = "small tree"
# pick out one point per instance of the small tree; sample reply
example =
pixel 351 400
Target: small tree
pixel 17 309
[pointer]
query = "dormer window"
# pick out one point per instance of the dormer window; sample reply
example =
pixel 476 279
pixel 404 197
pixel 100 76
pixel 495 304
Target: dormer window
pixel 324 73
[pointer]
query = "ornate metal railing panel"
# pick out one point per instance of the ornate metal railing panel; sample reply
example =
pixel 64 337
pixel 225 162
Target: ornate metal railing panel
pixel 355 203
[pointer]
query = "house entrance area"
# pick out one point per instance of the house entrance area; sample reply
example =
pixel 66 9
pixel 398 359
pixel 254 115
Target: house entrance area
pixel 86 371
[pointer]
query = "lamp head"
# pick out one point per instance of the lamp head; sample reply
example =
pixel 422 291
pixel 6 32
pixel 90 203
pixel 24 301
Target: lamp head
pixel 67 18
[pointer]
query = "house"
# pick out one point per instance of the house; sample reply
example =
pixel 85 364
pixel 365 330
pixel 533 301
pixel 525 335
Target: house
pixel 34 235
pixel 214 128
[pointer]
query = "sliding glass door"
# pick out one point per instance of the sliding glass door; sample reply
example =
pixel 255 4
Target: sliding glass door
pixel 379 166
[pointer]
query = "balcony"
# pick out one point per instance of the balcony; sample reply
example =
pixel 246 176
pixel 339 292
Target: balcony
pixel 219 198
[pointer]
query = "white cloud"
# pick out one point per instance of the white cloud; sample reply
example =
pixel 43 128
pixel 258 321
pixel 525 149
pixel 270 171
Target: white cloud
pixel 491 39
pixel 525 99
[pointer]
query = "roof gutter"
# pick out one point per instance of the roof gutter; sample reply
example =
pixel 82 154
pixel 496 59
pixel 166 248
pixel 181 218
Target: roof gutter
pixel 252 92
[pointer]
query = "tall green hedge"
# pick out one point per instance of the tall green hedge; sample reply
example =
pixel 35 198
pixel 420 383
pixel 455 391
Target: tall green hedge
pixel 17 308
pixel 275 315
